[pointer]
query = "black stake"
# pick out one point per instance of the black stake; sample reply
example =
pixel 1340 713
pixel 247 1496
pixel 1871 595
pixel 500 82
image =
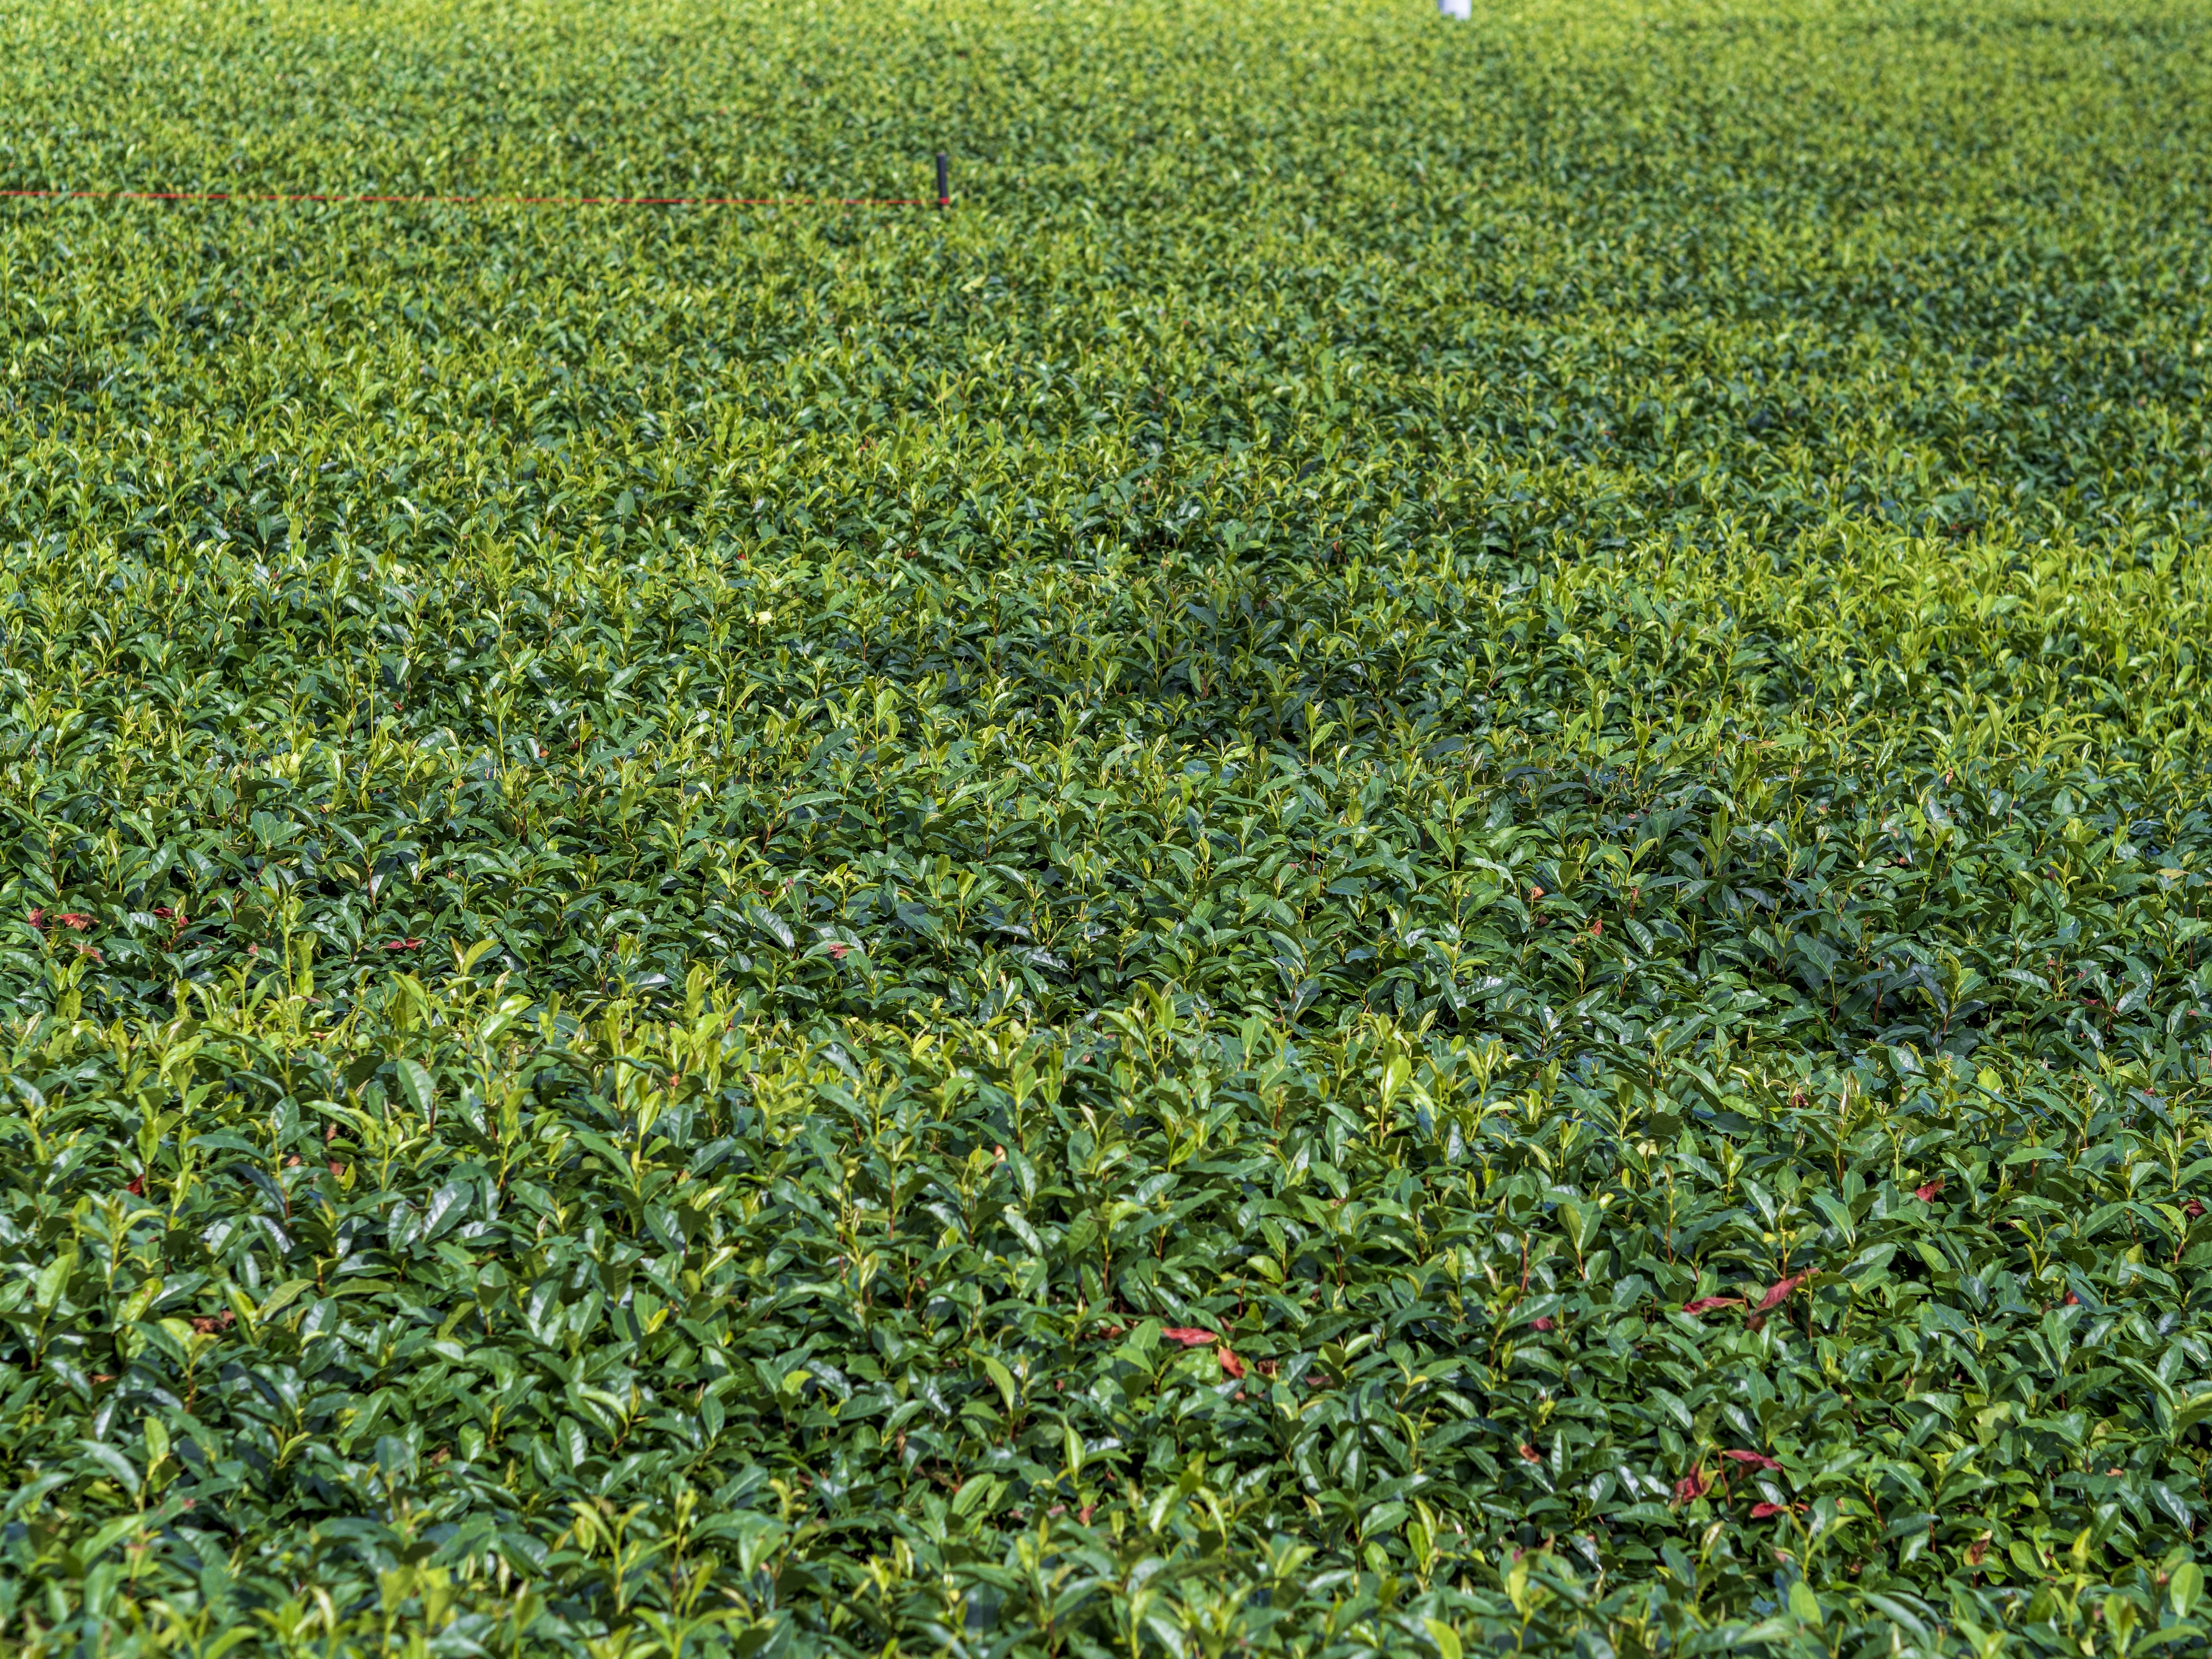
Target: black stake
pixel 943 181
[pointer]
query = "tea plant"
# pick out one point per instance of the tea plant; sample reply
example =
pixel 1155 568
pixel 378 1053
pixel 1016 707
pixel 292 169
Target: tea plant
pixel 1410 857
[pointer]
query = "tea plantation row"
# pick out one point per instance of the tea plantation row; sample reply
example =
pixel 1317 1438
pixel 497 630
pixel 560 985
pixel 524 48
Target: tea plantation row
pixel 1409 858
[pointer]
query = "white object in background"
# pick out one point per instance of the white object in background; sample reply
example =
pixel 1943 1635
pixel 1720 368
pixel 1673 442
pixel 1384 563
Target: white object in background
pixel 1462 10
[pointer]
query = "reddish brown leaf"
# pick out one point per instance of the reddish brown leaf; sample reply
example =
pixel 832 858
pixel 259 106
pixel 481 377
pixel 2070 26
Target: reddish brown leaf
pixel 1778 1293
pixel 337 1169
pixel 1760 1511
pixel 1532 1454
pixel 75 920
pixel 136 1187
pixel 1976 1551
pixel 1706 1304
pixel 403 945
pixel 1189 1335
pixel 2072 1300
pixel 1926 1194
pixel 37 917
pixel 1230 1363
pixel 1543 1324
pixel 207 1326
pixel 839 951
pixel 2194 1208
pixel 1761 1458
pixel 1691 1486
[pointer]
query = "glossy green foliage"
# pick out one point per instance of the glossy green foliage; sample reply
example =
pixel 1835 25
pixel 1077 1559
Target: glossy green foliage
pixel 1409 858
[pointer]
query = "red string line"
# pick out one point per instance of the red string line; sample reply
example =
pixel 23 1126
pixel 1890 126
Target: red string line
pixel 472 201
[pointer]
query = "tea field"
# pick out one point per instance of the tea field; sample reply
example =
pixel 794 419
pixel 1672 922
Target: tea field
pixel 1408 858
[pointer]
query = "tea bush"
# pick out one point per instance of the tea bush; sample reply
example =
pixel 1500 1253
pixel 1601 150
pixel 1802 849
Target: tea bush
pixel 1408 858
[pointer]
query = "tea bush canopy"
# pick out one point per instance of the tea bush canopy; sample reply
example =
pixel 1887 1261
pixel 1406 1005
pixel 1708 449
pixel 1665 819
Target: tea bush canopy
pixel 1407 858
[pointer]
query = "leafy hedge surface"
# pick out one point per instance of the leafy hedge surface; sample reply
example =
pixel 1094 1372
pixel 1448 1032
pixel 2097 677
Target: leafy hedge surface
pixel 1409 858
